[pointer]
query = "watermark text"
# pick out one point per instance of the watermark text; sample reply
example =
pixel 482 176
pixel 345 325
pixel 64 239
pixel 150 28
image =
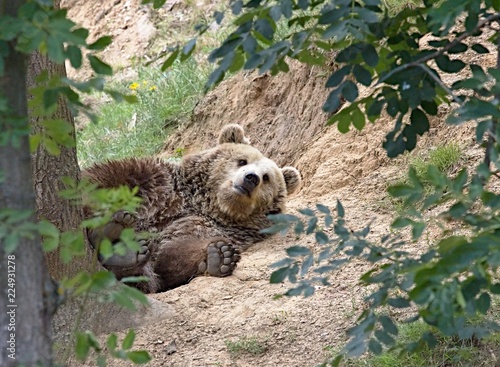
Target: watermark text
pixel 11 306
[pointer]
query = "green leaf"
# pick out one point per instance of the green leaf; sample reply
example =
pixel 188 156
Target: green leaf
pixel 419 121
pixel 306 265
pixel 101 360
pixel 388 325
pixel 101 43
pixel 398 302
pixel 307 211
pixel 340 209
pixel 350 90
pixel 156 3
pixel 358 119
pixel 332 103
pixel 102 279
pixel 170 60
pixel 214 78
pixel 362 75
pixel 99 66
pixel 264 27
pixel 323 208
pixel 74 54
pixel 139 356
pixel 480 49
pixel 337 77
pixel 112 342
pixel 483 303
pixel 344 122
pixel 55 49
pixel 47 229
pixel 296 251
pixel 82 346
pixel 375 347
pixel 370 55
pixel 417 230
pixel 321 238
pixel 458 48
pixel 384 337
pixel 189 47
pixel 50 244
pixel 277 228
pixel 449 66
pixel 278 276
pixel 128 341
pixel 430 107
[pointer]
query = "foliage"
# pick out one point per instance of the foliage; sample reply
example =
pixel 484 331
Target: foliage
pixel 443 157
pixel 401 56
pixel 39 26
pixel 87 341
pixel 449 351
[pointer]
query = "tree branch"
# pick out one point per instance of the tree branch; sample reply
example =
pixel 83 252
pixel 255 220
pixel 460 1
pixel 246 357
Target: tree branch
pixel 423 60
pixel 440 82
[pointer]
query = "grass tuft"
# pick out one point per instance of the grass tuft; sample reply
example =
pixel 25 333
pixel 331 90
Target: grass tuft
pixel 444 158
pixel 140 129
pixel 248 345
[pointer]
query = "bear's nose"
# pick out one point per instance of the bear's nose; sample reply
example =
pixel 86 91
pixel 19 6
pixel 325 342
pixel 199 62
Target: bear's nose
pixel 252 178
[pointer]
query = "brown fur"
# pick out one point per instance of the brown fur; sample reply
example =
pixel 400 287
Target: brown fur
pixel 205 198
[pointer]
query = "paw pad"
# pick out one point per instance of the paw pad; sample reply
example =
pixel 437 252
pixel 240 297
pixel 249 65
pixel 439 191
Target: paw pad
pixel 222 258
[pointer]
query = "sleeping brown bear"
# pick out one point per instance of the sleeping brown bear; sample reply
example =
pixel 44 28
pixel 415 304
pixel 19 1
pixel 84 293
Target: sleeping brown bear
pixel 202 211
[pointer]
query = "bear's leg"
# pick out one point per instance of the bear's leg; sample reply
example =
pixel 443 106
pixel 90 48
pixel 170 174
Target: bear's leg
pixel 112 232
pixel 177 262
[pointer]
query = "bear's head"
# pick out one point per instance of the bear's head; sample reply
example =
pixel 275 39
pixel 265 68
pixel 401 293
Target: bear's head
pixel 243 182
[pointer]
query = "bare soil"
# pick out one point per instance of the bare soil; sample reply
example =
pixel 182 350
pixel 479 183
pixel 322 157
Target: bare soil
pixel 282 116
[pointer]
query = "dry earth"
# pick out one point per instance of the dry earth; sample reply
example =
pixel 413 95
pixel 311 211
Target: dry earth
pixel 283 118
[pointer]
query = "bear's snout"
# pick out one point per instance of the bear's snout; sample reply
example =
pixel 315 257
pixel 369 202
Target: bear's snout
pixel 248 184
pixel 252 179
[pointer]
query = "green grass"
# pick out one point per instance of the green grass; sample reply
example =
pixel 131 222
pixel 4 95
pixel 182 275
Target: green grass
pixel 450 351
pixel 444 158
pixel 246 345
pixel 140 129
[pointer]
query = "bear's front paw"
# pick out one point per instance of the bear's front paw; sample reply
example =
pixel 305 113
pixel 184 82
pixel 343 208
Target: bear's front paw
pixel 121 220
pixel 222 258
pixel 131 259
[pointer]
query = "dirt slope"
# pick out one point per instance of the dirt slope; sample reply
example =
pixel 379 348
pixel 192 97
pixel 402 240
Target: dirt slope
pixel 283 118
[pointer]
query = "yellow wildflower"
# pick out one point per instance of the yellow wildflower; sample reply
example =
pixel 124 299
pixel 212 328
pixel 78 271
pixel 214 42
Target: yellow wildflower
pixel 134 86
pixel 153 88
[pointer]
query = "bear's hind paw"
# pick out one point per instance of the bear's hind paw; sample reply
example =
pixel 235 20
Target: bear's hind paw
pixel 222 258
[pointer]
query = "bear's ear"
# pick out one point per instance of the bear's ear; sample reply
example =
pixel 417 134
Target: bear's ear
pixel 292 179
pixel 233 134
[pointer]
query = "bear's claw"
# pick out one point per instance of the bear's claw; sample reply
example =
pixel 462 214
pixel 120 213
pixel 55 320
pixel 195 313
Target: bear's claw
pixel 121 220
pixel 222 258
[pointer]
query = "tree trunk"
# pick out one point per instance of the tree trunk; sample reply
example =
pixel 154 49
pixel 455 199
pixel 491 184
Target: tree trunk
pixel 24 316
pixel 49 169
pixel 47 173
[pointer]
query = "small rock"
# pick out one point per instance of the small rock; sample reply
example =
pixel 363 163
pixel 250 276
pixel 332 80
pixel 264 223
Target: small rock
pixel 171 348
pixel 225 298
pixel 159 341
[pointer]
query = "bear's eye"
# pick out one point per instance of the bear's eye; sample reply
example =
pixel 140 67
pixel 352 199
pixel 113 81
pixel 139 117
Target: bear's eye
pixel 242 162
pixel 265 178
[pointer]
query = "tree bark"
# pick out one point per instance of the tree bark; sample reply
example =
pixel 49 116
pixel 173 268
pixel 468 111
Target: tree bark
pixel 24 316
pixel 47 173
